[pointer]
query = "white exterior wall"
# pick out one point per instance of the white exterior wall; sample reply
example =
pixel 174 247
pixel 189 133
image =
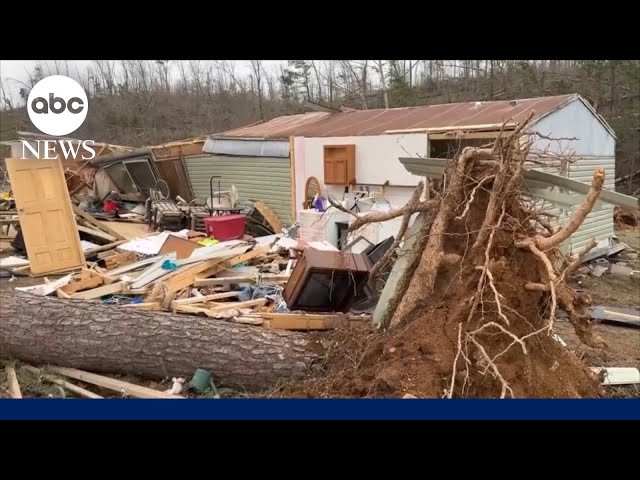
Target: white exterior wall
pixel 593 147
pixel 376 162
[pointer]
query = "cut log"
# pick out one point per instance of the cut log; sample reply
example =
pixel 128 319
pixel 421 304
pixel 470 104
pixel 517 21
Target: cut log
pixel 112 339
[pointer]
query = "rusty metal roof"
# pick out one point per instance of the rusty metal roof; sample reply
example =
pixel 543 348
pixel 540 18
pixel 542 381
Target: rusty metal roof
pixel 379 121
pixel 278 128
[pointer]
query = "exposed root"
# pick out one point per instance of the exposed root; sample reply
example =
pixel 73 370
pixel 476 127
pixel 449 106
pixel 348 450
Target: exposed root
pixel 479 300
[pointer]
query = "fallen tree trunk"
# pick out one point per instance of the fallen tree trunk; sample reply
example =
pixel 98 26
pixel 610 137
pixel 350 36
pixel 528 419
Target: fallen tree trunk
pixel 112 339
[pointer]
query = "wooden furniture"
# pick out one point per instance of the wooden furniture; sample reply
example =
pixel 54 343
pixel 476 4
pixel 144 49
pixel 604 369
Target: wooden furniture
pixel 311 189
pixel 339 164
pixel 325 281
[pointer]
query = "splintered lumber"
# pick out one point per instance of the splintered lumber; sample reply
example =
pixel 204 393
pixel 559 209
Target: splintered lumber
pixel 58 381
pixel 111 289
pixel 216 310
pixel 100 226
pixel 245 257
pixel 110 339
pixel 269 215
pixel 126 388
pixel 103 248
pixel 237 305
pixel 96 233
pixel 151 306
pixel 120 259
pixel 204 298
pixel 308 321
pixel 225 281
pixel 83 284
pixel 185 277
pixel 12 379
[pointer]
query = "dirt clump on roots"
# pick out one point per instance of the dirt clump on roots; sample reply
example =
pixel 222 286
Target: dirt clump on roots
pixel 476 317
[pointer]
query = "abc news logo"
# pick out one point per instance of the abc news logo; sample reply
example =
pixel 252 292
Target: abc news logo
pixel 40 105
pixel 58 105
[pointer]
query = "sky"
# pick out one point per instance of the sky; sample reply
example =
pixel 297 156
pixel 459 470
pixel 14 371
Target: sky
pixel 12 72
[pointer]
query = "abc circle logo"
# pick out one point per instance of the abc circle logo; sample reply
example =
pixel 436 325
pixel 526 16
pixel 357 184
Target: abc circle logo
pixel 57 105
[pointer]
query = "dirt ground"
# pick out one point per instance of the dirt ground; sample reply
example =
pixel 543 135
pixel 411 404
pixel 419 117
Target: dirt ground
pixel 623 344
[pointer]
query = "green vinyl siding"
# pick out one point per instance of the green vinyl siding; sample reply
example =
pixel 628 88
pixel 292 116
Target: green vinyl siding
pixel 256 178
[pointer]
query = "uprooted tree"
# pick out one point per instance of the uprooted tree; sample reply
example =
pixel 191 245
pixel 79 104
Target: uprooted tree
pixel 474 313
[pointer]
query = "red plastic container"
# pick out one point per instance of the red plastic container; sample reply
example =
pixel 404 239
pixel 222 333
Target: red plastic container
pixel 225 227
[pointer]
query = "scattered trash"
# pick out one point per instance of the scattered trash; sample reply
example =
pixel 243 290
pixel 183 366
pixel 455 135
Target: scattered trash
pixel 177 386
pixel 618 375
pixel 169 265
pixel 202 382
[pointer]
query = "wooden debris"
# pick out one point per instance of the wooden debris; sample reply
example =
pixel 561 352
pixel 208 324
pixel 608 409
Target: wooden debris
pixel 204 298
pixel 225 281
pixel 58 381
pixel 102 248
pixel 269 215
pixel 12 379
pixel 185 277
pixel 99 292
pixel 96 233
pixel 95 223
pixel 87 280
pixel 126 388
pixel 235 261
pixel 120 259
pixel 149 306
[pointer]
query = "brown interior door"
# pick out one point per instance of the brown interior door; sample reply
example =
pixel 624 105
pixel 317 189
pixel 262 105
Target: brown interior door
pixel 46 217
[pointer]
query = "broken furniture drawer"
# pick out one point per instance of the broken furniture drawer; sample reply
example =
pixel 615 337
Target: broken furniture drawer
pixel 325 281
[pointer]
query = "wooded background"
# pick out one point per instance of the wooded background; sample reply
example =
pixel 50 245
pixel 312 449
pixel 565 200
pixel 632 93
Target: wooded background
pixel 146 102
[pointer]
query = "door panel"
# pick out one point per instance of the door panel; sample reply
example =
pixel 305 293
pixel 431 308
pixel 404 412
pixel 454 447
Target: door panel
pixel 46 217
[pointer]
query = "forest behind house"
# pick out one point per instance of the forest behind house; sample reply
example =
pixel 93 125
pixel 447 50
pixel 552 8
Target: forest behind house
pixel 144 102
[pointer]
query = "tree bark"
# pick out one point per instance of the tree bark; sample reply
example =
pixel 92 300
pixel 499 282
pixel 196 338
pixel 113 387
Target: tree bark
pixel 111 339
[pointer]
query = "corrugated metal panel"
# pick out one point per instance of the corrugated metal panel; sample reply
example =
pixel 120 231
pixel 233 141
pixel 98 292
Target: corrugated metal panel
pixel 599 222
pixel 280 127
pixel 255 178
pixel 247 148
pixel 172 172
pixel 378 121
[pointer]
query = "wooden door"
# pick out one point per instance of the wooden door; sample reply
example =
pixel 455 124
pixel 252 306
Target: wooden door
pixel 46 218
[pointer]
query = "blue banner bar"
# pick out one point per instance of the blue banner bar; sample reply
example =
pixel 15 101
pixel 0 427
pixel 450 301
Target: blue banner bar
pixel 320 409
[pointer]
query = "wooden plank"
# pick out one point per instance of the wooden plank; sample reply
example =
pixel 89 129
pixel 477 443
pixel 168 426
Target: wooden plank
pixel 305 321
pixel 134 266
pixel 58 381
pixel 256 252
pixel 103 248
pixel 12 379
pixel 235 306
pixel 120 260
pixel 136 391
pixel 225 281
pixel 184 277
pixel 84 284
pixel 108 253
pixel 269 215
pixel 150 306
pixel 99 292
pixel 204 298
pixel 96 233
pixel 100 226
